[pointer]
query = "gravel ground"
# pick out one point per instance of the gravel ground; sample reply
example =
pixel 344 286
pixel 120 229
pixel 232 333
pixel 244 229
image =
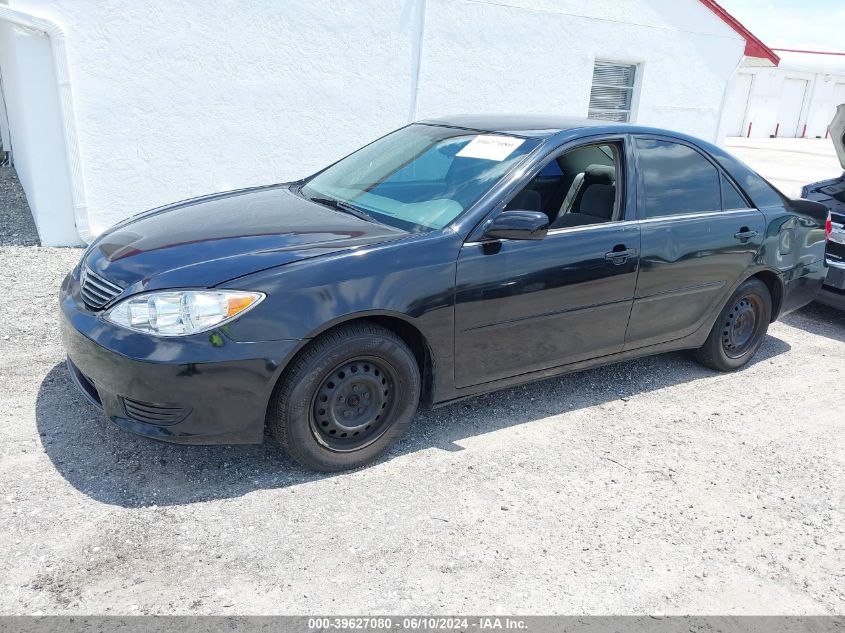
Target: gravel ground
pixel 16 225
pixel 648 486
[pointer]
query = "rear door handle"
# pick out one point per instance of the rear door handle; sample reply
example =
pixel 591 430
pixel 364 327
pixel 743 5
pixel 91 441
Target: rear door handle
pixel 744 234
pixel 621 256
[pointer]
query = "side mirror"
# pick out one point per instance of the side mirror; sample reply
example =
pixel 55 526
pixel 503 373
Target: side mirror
pixel 518 225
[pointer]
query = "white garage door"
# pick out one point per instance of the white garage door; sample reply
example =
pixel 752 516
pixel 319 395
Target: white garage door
pixel 789 110
pixel 838 95
pixel 736 104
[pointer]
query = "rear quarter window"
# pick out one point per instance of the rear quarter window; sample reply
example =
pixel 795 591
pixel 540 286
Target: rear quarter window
pixel 731 198
pixel 762 194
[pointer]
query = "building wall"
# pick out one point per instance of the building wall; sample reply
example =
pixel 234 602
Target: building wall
pixel 32 104
pixel 177 99
pixel 537 56
pixel 764 106
pixel 174 99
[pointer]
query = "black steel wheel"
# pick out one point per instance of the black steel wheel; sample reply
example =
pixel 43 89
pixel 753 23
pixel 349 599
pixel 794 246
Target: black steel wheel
pixel 353 404
pixel 740 328
pixel 742 325
pixel 346 398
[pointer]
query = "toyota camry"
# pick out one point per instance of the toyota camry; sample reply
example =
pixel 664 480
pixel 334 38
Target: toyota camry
pixel 445 259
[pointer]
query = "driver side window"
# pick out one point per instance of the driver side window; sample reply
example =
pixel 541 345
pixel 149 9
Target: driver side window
pixel 576 188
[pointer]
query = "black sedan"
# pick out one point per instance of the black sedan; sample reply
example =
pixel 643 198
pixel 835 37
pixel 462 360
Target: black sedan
pixel 446 259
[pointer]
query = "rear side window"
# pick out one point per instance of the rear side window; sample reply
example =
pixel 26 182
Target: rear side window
pixel 675 179
pixel 731 198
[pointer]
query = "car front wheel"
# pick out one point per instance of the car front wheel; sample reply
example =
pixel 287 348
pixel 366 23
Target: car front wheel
pixel 346 398
pixel 740 329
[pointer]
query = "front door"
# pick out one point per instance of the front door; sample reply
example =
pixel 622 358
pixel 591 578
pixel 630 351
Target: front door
pixel 699 235
pixel 523 306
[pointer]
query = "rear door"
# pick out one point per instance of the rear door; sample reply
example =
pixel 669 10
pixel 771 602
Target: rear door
pixel 698 236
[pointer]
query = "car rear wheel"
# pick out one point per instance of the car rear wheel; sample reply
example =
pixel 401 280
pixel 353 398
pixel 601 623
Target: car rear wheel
pixel 740 329
pixel 346 398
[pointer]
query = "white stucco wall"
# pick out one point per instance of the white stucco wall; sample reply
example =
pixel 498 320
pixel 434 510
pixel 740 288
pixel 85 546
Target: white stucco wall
pixel 537 56
pixel 178 99
pixel 825 89
pixel 175 100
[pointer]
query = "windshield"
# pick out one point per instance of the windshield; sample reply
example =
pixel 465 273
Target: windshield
pixel 420 177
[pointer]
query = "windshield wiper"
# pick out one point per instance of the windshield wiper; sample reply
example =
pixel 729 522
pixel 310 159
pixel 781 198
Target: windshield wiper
pixel 345 207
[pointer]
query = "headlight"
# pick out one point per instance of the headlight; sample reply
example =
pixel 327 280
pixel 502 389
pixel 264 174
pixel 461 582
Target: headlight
pixel 181 312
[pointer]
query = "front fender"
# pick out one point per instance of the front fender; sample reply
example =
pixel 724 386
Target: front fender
pixel 412 280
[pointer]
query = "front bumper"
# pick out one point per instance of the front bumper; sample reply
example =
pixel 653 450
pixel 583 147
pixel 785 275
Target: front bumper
pixel 201 389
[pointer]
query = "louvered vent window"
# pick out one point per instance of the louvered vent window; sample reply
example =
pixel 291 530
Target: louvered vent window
pixel 613 90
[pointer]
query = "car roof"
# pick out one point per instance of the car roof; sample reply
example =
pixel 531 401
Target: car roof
pixel 521 125
pixel 544 126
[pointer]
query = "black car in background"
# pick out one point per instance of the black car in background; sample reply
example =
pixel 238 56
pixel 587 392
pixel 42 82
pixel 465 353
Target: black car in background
pixel 831 193
pixel 446 259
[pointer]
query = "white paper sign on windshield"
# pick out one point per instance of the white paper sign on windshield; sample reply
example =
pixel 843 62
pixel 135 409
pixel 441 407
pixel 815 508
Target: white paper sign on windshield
pixel 490 147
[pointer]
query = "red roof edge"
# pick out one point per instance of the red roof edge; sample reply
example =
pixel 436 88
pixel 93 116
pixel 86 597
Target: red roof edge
pixel 800 50
pixel 753 46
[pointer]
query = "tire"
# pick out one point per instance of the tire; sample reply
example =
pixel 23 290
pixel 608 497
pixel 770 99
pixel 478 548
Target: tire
pixel 346 398
pixel 740 329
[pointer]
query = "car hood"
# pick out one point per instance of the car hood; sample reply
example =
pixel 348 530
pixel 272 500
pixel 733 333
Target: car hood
pixel 206 241
pixel 837 133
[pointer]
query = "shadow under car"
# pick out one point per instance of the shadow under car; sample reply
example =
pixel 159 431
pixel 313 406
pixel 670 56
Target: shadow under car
pixel 115 467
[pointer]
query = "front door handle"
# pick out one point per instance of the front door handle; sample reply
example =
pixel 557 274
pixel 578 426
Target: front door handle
pixel 620 256
pixel 745 234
